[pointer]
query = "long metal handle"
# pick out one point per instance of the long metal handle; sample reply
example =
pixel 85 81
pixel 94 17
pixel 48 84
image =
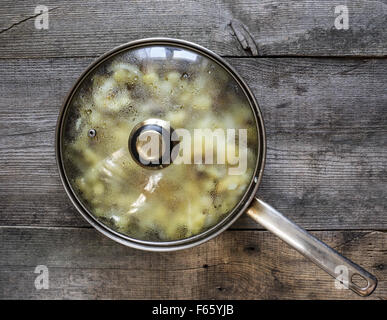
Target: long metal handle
pixel 312 248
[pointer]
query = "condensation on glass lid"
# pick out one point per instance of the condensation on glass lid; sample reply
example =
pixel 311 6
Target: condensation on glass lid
pixel 189 91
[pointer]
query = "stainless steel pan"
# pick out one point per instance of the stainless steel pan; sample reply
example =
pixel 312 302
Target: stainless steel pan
pixel 315 250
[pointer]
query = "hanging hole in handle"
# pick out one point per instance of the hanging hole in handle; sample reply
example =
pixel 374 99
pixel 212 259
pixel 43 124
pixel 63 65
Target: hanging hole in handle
pixel 359 281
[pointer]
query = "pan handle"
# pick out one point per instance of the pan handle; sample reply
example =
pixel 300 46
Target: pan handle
pixel 318 252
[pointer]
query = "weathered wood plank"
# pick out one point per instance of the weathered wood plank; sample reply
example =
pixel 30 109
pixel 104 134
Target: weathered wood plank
pixel 326 133
pixel 236 265
pixel 89 28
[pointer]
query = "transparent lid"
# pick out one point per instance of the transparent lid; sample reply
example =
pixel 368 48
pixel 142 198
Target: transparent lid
pixel 159 142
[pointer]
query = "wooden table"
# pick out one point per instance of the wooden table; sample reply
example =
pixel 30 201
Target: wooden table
pixel 323 94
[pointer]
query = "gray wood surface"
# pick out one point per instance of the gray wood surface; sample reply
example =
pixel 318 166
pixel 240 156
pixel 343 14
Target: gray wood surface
pixel 236 265
pixel 326 125
pixel 90 28
pixel 323 93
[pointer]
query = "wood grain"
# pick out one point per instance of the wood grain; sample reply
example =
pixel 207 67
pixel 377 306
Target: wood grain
pixel 279 28
pixel 83 264
pixel 323 95
pixel 326 125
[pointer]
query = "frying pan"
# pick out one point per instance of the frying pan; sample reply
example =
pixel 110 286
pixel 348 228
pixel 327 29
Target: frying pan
pixel 309 246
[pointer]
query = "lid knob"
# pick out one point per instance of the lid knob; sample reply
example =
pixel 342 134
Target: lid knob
pixel 150 143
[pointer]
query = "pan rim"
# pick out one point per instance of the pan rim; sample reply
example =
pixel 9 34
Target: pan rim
pixel 231 216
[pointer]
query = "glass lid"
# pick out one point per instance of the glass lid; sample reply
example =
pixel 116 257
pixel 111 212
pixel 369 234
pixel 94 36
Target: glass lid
pixel 159 142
